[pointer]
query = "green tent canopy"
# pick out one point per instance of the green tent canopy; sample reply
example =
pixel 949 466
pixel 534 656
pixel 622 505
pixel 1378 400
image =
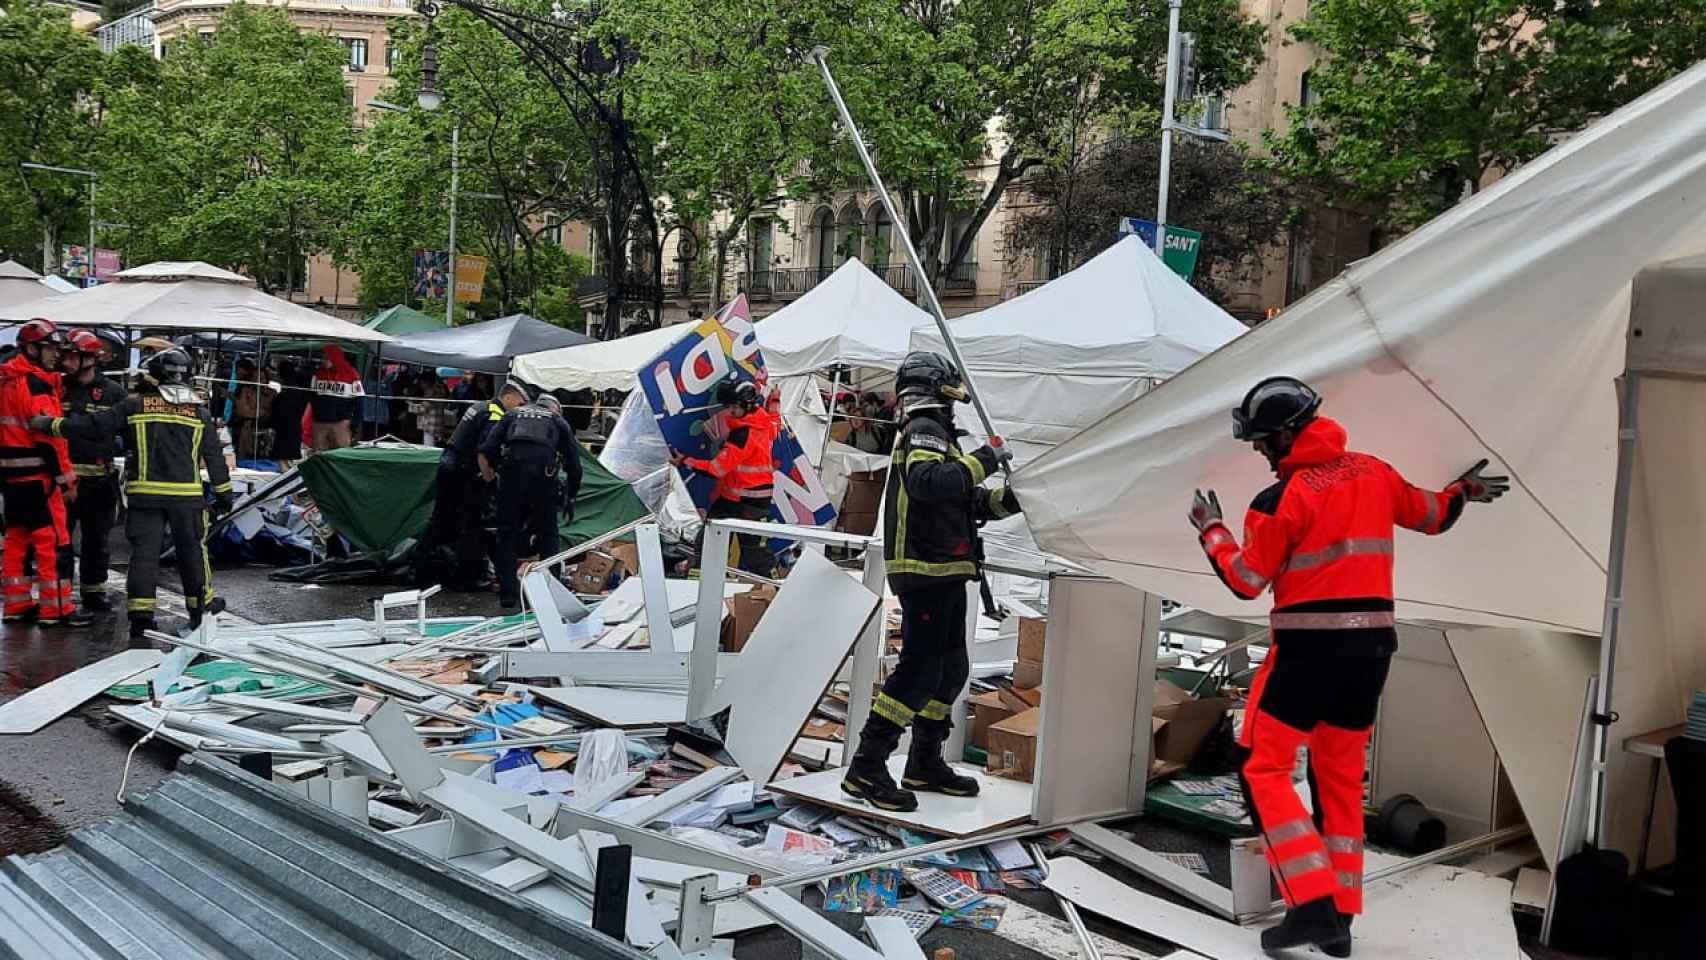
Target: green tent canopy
pixel 377 497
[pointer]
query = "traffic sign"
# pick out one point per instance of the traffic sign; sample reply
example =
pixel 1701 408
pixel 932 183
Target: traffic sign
pixel 1182 245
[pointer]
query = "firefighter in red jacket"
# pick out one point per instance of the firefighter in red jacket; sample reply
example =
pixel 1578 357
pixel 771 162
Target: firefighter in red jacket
pixel 1322 539
pixel 36 471
pixel 744 469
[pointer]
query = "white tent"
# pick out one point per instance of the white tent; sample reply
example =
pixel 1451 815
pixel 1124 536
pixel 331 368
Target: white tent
pixel 1497 330
pixel 606 365
pixel 1064 355
pixel 20 284
pixel 853 317
pixel 190 296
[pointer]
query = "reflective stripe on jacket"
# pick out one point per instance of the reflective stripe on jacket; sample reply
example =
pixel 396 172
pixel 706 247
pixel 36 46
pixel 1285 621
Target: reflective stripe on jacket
pixel 26 390
pixel 1322 539
pixel 934 499
pixel 165 443
pixel 745 467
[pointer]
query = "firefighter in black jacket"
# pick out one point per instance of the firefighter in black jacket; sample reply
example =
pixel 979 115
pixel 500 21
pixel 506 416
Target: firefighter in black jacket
pixel 459 499
pixel 530 446
pixel 88 391
pixel 168 436
pixel 935 501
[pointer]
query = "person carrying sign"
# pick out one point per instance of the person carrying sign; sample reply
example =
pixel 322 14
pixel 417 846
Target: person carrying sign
pixel 744 470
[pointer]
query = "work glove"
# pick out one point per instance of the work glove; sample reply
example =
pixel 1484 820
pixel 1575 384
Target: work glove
pixel 1482 489
pixel 1205 511
pixel 1003 455
pixel 222 505
pixel 41 424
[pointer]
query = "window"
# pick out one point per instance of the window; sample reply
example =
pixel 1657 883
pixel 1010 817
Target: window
pixel 356 47
pixel 554 229
pixel 848 231
pixel 1307 96
pixel 823 241
pixel 761 247
pixel 879 237
pixel 392 54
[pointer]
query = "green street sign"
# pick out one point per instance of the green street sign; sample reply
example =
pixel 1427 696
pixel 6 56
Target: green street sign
pixel 1182 248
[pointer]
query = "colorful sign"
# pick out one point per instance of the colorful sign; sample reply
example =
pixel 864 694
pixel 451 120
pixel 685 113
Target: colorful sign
pixel 74 264
pixel 470 278
pixel 1182 245
pixel 681 387
pixel 431 274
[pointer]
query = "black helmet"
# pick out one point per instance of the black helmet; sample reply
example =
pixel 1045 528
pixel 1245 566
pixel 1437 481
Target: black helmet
pixel 929 373
pixel 169 366
pixel 1275 404
pixel 743 391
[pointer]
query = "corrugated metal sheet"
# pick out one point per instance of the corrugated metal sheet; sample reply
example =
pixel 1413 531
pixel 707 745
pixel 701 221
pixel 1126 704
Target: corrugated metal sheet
pixel 218 863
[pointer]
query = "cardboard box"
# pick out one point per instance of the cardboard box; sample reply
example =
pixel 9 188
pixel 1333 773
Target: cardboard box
pixel 592 573
pixel 1179 726
pixel 1013 746
pixel 745 610
pixel 862 524
pixel 987 710
pixel 627 556
pixel 1028 674
pixel 864 492
pixel 841 430
pixel 1032 631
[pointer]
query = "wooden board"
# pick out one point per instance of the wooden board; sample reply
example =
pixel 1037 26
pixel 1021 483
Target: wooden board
pixel 1002 803
pixel 56 698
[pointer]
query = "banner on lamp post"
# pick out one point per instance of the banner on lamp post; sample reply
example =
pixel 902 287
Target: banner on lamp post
pixel 431 274
pixel 74 264
pixel 470 278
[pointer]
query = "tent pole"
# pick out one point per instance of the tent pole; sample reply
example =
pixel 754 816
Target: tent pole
pixel 834 389
pixel 818 55
pixel 1603 717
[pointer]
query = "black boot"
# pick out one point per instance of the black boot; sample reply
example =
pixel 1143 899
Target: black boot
pixel 925 768
pixel 97 602
pixel 1315 922
pixel 1338 950
pixel 868 775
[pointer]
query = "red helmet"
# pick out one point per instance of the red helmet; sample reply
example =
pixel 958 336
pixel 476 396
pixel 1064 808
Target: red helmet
pixel 40 330
pixel 85 342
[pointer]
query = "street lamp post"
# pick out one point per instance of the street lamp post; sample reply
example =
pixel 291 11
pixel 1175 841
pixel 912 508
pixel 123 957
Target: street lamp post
pixel 430 99
pixel 1172 89
pixel 47 255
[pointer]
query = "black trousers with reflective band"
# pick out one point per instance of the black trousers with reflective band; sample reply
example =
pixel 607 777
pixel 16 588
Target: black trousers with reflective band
pixel 458 510
pixel 147 528
pixel 934 662
pixel 92 520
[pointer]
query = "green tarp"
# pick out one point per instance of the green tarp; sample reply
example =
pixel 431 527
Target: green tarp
pixel 377 497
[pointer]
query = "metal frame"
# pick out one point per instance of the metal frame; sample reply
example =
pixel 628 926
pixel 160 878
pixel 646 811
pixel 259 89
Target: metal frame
pixel 415 598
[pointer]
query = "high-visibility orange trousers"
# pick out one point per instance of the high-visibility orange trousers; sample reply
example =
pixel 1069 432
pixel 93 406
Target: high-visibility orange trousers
pixel 36 523
pixel 1323 856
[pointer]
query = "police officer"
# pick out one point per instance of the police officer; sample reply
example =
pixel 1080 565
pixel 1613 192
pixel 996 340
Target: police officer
pixel 168 436
pixel 35 470
pixel 1322 539
pixel 744 469
pixel 530 446
pixel 88 391
pixel 935 501
pixel 459 498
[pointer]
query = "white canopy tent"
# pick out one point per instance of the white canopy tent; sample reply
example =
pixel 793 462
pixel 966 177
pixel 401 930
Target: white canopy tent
pixel 1061 357
pixel 20 284
pixel 605 365
pixel 853 317
pixel 190 296
pixel 1497 330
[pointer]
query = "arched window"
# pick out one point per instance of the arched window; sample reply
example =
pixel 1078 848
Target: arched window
pixel 879 237
pixel 848 229
pixel 823 240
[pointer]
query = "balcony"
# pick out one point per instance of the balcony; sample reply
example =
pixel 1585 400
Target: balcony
pixel 696 284
pixel 787 283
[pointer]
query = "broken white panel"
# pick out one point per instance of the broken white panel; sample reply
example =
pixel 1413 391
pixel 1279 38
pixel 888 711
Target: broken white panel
pixel 56 698
pixel 1101 894
pixel 597 795
pixel 999 803
pixel 447 839
pixel 554 607
pixel 229 733
pixel 391 815
pixel 285 708
pixel 679 794
pixel 815 932
pixel 388 680
pixel 789 662
pixel 389 728
pixel 893 938
pixel 623 709
pixel 659 846
pixel 1186 883
pixel 516 874
pixel 348 796
pixel 1435 913
pixel 171 670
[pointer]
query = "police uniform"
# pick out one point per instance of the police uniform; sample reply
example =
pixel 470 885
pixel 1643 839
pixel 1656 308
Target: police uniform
pixel 534 445
pixel 459 500
pixel 97 484
pixel 168 436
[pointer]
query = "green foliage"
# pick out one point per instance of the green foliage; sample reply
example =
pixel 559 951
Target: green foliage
pixel 242 155
pixel 1421 101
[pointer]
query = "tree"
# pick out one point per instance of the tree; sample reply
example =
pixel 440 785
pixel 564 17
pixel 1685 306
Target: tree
pixel 1240 206
pixel 1417 103
pixel 54 83
pixel 243 155
pixel 943 86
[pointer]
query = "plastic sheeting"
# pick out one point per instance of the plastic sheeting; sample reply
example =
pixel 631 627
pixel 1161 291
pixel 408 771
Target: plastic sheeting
pixel 1494 331
pixel 483 347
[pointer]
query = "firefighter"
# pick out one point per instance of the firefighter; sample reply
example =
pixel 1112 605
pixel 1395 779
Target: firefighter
pixel 89 391
pixel 531 446
pixel 459 498
pixel 934 502
pixel 1322 539
pixel 36 472
pixel 744 469
pixel 168 436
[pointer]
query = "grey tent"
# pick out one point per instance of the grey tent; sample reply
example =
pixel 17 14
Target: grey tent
pixel 482 347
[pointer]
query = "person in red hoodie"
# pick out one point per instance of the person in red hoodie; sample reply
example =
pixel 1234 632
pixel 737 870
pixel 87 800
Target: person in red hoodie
pixel 35 469
pixel 1322 539
pixel 336 387
pixel 744 469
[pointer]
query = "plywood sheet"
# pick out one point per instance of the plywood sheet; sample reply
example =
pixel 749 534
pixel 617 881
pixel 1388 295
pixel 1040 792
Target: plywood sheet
pixel 1527 686
pixel 60 696
pixel 1002 802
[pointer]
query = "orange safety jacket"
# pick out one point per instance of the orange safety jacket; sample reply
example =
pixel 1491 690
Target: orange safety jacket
pixel 1322 539
pixel 744 467
pixel 26 390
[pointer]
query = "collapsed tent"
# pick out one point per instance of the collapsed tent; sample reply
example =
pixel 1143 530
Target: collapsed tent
pixel 487 347
pixel 378 497
pixel 1069 352
pixel 190 296
pixel 1497 330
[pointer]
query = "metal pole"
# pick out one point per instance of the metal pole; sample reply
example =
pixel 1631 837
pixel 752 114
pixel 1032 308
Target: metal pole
pixel 1603 717
pixel 1172 90
pixel 834 390
pixel 818 55
pixel 455 170
pixel 89 267
pixel 1067 907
